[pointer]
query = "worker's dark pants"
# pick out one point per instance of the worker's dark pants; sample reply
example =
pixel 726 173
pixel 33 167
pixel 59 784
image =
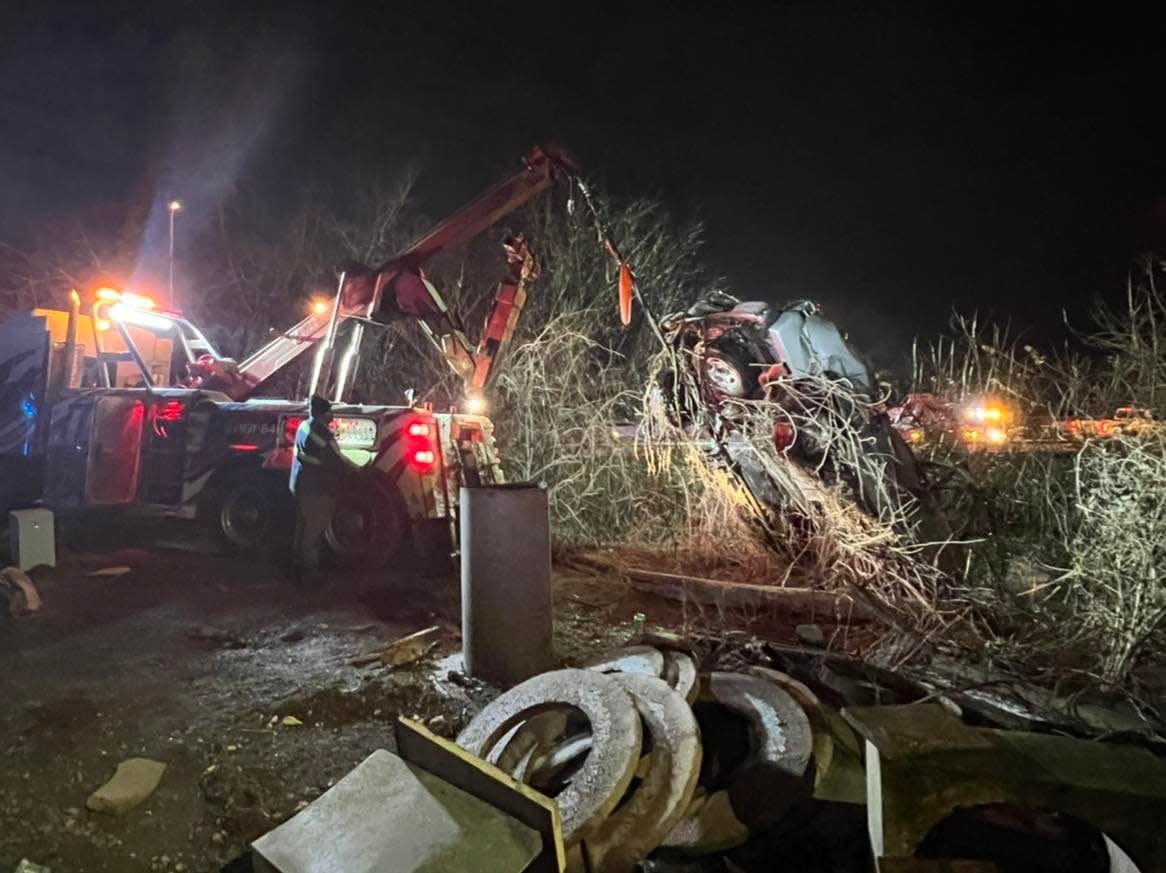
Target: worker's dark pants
pixel 313 512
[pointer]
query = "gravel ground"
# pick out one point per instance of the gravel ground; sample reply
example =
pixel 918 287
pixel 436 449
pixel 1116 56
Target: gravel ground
pixel 194 659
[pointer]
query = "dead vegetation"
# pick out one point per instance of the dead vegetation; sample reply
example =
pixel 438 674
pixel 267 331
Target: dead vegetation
pixel 1065 565
pixel 1039 565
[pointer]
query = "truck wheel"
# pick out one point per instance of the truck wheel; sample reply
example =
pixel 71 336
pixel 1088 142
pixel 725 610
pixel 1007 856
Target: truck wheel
pixel 728 371
pixel 247 511
pixel 369 527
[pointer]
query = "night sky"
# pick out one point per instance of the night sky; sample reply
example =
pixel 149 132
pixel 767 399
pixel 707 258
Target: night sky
pixel 893 161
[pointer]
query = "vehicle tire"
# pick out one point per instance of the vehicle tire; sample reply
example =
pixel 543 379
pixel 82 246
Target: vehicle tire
pixel 370 526
pixel 249 511
pixel 728 371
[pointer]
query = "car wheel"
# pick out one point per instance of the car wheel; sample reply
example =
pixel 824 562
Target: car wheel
pixel 728 372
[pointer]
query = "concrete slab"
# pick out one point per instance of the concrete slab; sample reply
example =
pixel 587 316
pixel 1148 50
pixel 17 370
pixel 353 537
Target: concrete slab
pixel 389 815
pixel 922 764
pixel 420 747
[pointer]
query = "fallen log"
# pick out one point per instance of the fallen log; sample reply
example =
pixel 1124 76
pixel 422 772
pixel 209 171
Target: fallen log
pixel 746 595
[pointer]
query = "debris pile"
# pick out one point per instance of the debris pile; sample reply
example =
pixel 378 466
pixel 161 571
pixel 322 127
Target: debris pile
pixel 658 764
pixel 644 755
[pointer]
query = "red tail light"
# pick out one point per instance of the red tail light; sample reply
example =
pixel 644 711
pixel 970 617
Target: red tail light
pixel 170 410
pixel 783 435
pixel 165 413
pixel 291 424
pixel 419 446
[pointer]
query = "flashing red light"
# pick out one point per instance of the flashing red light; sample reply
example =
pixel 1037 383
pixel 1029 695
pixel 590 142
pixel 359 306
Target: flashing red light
pixel 423 459
pixel 291 425
pixel 418 429
pixel 243 447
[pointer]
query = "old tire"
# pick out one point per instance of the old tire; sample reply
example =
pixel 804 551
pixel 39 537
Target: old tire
pixel 369 528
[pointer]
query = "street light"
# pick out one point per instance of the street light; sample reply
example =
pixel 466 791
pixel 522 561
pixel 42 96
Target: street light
pixel 174 206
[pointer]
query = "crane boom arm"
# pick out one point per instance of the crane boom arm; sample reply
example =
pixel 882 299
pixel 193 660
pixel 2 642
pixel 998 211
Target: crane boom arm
pixel 398 288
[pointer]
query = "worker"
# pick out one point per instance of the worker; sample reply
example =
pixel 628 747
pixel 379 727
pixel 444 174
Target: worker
pixel 318 472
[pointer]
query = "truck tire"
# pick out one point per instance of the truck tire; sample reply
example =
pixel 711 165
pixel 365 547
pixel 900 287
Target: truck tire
pixel 249 511
pixel 727 370
pixel 370 527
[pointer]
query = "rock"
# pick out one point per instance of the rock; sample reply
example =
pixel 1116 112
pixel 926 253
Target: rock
pixel 26 866
pixel 134 781
pixel 811 635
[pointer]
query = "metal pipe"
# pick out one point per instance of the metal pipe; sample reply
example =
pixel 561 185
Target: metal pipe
pixel 65 375
pixel 322 373
pixel 506 582
pixel 347 370
pixel 98 345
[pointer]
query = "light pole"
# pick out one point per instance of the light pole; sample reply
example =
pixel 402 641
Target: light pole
pixel 174 206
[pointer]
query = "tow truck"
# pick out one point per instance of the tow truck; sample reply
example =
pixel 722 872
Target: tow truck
pixel 128 407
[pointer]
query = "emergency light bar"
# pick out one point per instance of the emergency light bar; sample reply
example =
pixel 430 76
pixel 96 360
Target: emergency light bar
pixel 132 315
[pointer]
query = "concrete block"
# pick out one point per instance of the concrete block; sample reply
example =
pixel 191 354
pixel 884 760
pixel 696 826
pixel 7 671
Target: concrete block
pixel 389 815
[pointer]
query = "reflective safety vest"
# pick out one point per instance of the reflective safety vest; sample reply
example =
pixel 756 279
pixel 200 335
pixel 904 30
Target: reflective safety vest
pixel 313 467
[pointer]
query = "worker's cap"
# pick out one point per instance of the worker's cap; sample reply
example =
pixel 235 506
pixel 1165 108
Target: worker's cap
pixel 319 406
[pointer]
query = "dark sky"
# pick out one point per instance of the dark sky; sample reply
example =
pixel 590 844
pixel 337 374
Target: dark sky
pixel 894 161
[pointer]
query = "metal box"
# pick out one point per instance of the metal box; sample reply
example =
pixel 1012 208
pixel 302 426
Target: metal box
pixel 33 540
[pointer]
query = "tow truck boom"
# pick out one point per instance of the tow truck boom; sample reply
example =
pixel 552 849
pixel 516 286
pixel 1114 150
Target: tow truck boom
pixel 398 288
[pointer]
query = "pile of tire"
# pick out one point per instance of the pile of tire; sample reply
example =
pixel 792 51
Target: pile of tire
pixel 646 756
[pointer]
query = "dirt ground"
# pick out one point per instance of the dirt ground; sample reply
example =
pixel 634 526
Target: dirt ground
pixel 194 659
